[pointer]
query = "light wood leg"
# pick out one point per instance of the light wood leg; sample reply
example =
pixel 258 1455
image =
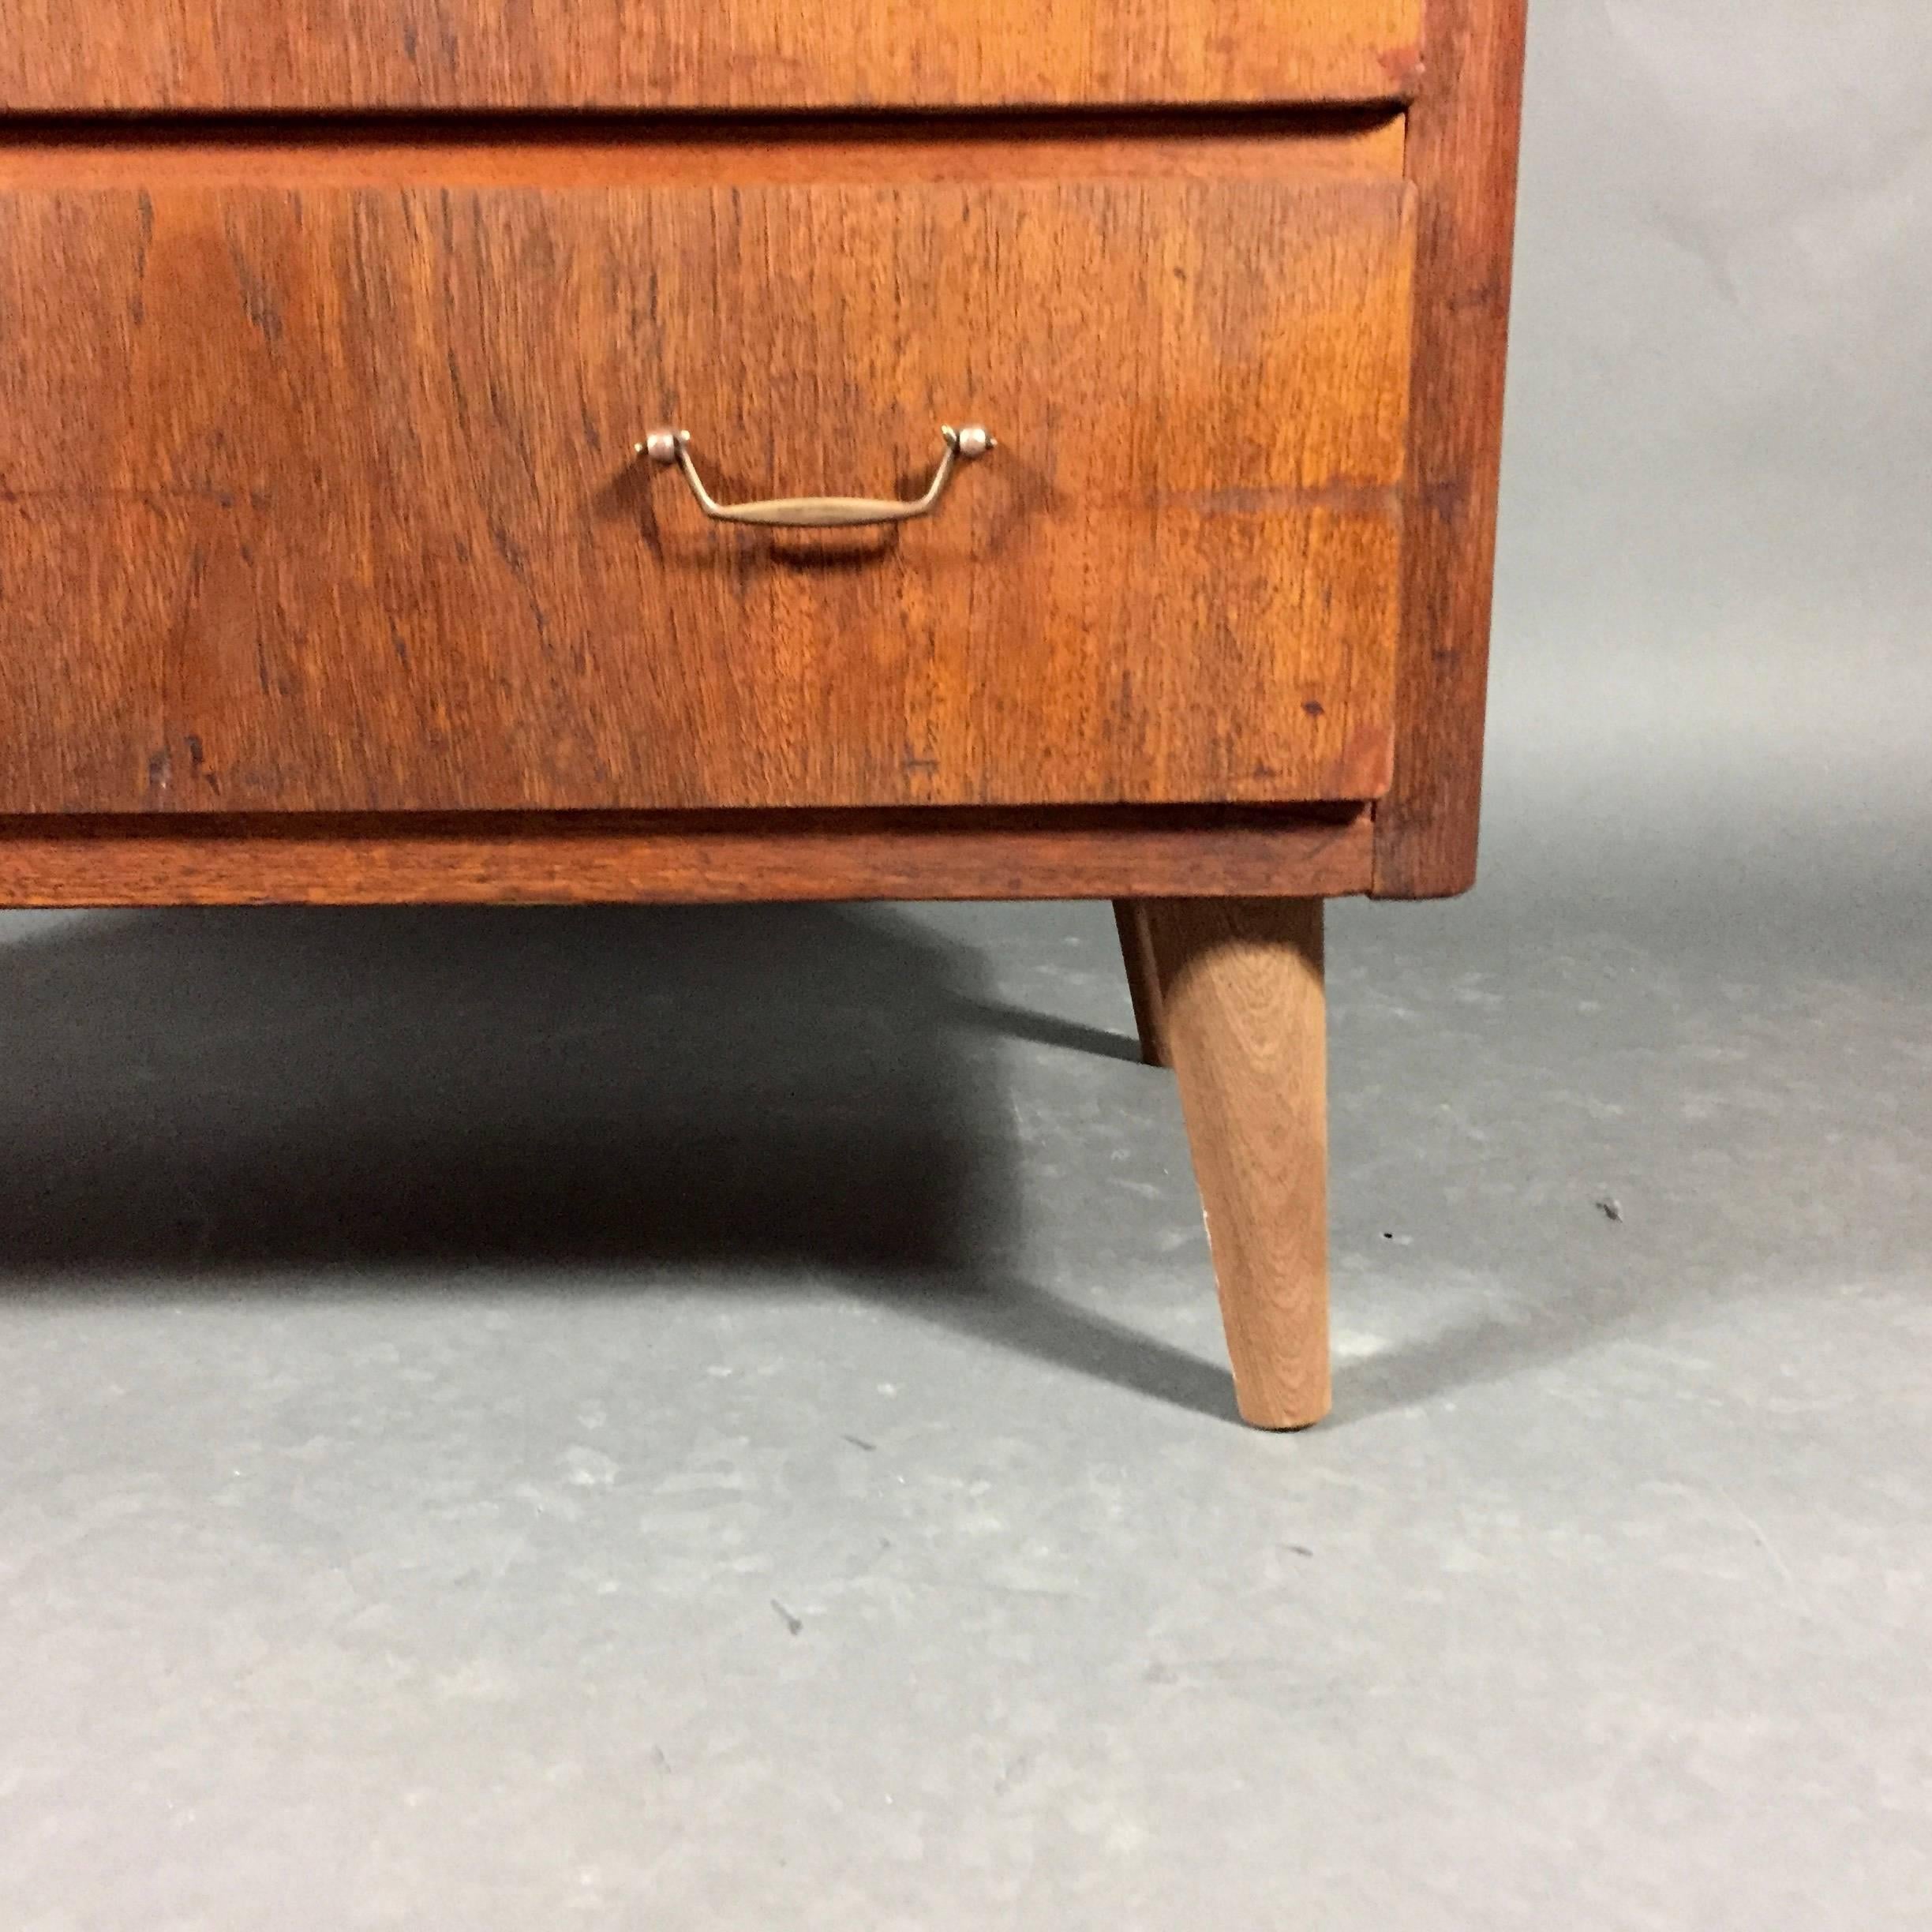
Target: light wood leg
pixel 1143 981
pixel 1244 1017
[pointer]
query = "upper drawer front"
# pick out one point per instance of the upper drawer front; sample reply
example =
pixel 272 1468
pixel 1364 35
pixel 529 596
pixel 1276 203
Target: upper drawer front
pixel 251 55
pixel 321 497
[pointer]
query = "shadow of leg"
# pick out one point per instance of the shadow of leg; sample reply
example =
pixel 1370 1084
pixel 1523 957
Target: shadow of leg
pixel 1013 1315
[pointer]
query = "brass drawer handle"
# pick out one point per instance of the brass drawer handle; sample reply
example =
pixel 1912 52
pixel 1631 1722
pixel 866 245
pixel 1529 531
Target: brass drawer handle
pixel 672 446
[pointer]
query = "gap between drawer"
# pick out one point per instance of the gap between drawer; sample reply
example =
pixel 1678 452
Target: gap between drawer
pixel 616 151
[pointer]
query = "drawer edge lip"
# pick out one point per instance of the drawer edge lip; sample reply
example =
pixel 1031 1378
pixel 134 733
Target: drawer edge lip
pixel 686 858
pixel 1394 82
pixel 1374 73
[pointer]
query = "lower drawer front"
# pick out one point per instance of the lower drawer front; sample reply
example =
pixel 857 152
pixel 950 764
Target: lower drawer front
pixel 325 498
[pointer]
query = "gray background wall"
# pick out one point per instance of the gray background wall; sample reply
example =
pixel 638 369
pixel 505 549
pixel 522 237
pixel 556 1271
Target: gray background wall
pixel 1716 570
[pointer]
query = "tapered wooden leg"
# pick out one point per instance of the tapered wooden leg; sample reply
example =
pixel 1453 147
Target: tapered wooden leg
pixel 1143 981
pixel 1244 1017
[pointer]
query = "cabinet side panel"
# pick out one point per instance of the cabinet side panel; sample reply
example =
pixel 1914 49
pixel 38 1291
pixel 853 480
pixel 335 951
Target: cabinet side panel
pixel 1462 159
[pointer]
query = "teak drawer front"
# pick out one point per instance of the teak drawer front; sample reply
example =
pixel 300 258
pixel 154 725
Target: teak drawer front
pixel 323 498
pixel 271 55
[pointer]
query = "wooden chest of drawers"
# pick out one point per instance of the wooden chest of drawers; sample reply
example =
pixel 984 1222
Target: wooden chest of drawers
pixel 420 413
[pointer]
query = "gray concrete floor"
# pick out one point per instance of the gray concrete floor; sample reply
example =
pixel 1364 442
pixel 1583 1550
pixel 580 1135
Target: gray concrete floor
pixel 659 1418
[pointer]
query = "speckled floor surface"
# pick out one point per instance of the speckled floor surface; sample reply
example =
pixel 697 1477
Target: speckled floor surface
pixel 666 1419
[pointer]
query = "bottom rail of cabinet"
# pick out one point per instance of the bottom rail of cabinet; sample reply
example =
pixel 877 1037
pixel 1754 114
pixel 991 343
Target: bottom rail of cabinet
pixel 686 858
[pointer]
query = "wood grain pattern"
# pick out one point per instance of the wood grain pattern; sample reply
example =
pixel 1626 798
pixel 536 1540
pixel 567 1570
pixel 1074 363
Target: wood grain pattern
pixel 1245 1017
pixel 323 499
pixel 1130 918
pixel 678 858
pixel 1463 158
pixel 240 54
